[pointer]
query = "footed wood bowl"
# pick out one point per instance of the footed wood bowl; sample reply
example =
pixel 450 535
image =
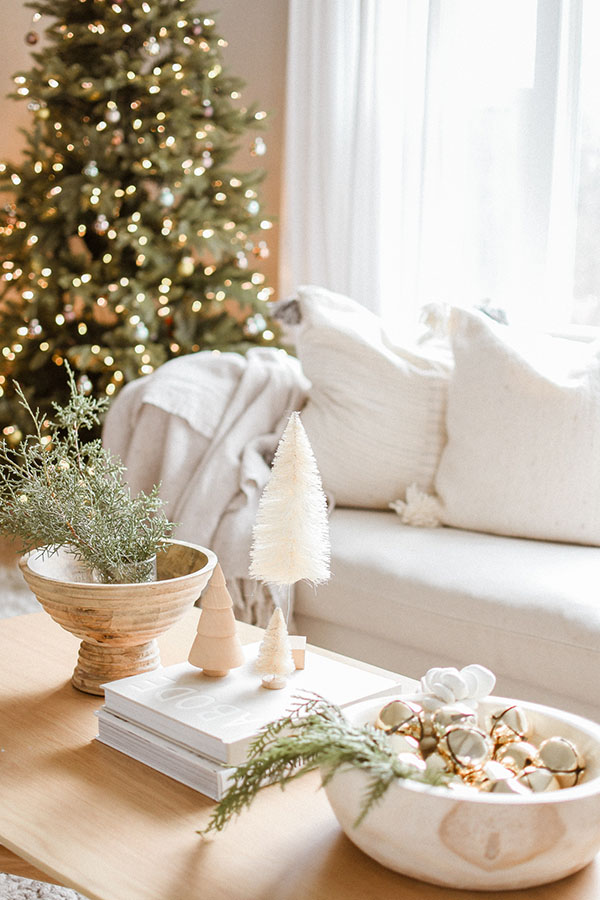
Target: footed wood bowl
pixel 118 623
pixel 478 841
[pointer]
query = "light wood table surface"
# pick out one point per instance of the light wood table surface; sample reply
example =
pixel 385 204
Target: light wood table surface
pixel 95 820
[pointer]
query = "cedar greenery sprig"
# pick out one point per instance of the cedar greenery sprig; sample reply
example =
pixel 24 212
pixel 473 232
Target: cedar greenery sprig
pixel 314 735
pixel 57 491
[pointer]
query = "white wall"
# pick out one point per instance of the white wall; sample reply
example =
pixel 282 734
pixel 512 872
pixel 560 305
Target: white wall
pixel 256 32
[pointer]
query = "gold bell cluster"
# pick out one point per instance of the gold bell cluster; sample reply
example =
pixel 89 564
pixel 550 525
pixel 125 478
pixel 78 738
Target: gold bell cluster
pixel 498 755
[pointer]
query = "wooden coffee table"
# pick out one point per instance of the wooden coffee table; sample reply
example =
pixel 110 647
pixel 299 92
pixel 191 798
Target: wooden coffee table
pixel 94 820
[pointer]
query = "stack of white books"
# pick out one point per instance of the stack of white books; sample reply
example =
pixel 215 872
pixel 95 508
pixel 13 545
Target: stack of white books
pixel 195 729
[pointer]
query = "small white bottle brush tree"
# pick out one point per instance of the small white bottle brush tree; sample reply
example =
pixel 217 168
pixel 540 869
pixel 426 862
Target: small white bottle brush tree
pixel 290 539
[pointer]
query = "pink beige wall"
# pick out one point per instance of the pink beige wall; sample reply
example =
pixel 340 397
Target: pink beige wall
pixel 256 32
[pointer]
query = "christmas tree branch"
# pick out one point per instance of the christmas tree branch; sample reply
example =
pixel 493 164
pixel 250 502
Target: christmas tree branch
pixel 314 735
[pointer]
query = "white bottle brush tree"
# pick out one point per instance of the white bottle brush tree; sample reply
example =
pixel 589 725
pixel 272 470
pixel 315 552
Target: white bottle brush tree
pixel 290 539
pixel 275 655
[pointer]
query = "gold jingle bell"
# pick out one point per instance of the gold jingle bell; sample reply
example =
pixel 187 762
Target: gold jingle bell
pixel 538 779
pixel 465 748
pixel 401 717
pixel 412 761
pixel 452 714
pixel 562 758
pixel 509 724
pixel 427 745
pixel 517 755
pixel 403 743
pixel 508 786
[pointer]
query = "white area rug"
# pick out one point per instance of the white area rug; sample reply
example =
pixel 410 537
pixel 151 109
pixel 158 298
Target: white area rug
pixel 12 887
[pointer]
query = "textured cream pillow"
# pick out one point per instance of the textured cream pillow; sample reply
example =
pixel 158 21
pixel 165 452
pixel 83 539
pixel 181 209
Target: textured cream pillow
pixel 523 422
pixel 375 414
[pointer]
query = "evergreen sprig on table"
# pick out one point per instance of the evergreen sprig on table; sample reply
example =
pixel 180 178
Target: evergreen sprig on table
pixel 314 735
pixel 56 491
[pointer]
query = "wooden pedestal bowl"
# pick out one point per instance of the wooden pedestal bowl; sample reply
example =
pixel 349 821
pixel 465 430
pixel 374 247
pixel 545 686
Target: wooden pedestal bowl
pixel 118 623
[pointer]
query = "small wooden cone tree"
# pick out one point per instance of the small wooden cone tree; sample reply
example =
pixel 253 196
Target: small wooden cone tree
pixel 275 654
pixel 216 648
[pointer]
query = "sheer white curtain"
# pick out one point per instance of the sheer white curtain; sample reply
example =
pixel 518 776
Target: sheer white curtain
pixel 430 153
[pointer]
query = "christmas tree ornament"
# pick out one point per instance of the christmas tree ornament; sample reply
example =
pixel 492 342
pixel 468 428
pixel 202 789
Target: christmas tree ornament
pixel 14 437
pixel 117 138
pixel 401 717
pixel 562 758
pixel 141 331
pixel 112 115
pixel 207 109
pixel 207 159
pixel 32 37
pixel 216 648
pixel 259 148
pixel 253 207
pixel 509 724
pixel 186 266
pixel 275 656
pixel 255 325
pixel 101 224
pixel 84 385
pixel 91 168
pixel 517 755
pixel 152 46
pixel 166 197
pixel 43 112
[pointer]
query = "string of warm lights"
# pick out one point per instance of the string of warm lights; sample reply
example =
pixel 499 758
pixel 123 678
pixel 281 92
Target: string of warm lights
pixel 127 239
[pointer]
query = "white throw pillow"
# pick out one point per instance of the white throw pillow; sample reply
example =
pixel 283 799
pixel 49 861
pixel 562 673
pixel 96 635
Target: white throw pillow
pixel 523 422
pixel 375 414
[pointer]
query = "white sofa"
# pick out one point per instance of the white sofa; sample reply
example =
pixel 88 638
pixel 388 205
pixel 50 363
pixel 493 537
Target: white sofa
pixel 500 434
pixel 411 598
pixel 501 429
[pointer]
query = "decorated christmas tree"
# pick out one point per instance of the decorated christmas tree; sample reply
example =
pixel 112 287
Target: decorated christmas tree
pixel 126 237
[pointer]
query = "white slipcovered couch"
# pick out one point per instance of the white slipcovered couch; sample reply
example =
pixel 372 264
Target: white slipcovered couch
pixel 504 428
pixel 487 442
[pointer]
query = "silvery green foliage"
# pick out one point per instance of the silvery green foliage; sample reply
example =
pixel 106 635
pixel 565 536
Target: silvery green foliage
pixel 56 491
pixel 315 735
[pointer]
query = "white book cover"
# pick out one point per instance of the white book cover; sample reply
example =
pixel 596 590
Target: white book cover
pixel 219 717
pixel 183 765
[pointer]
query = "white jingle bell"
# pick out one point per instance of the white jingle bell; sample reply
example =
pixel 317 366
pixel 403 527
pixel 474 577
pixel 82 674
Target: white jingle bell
pixel 562 758
pixel 538 779
pixel 517 755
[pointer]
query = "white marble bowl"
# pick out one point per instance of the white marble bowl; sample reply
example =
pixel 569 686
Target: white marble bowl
pixel 481 841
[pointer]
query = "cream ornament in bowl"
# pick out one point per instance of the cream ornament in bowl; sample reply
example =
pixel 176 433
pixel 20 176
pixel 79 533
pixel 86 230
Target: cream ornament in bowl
pixel 471 684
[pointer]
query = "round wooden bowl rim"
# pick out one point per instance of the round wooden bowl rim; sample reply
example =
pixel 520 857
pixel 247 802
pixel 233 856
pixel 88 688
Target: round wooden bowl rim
pixel 211 561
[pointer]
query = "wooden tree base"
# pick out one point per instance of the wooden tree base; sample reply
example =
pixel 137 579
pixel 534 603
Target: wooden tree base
pixel 99 663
